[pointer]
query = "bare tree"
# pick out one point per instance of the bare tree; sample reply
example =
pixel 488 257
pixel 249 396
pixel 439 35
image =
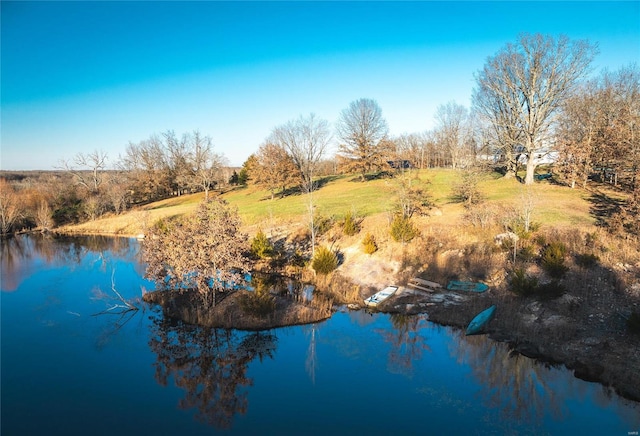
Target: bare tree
pixel 179 153
pixel 454 132
pixel 274 169
pixel 88 169
pixel 577 132
pixel 414 148
pixel 599 127
pixel 203 252
pixel 305 139
pixel 43 216
pixel 147 166
pixel 522 86
pixel 206 164
pixel 117 191
pixel 363 130
pixel 618 149
pixel 499 121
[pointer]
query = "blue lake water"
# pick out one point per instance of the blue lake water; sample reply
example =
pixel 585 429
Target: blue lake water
pixel 75 362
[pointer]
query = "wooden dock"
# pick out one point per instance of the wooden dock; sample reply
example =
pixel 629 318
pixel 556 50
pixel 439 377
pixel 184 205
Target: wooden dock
pixel 424 285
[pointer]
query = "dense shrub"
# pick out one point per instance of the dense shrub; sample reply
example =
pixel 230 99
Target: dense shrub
pixel 522 284
pixel 466 190
pixel 540 240
pixel 322 224
pixel 298 259
pixel 553 259
pixel 518 226
pixel 261 246
pixel 551 290
pixel 369 244
pixel 324 261
pixel 350 225
pixel 526 253
pixel 68 213
pixel 402 229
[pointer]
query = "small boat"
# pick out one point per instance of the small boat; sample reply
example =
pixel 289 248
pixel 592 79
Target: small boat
pixel 480 320
pixel 381 296
pixel 455 285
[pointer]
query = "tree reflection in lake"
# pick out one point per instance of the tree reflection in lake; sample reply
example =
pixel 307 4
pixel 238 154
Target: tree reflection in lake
pixel 312 358
pixel 210 365
pixel 406 343
pixel 21 256
pixel 522 388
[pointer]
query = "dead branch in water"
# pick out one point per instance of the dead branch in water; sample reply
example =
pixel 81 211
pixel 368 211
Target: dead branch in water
pixel 124 308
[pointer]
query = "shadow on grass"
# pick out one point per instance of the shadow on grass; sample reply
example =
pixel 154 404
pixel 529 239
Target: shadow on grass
pixel 604 207
pixel 373 176
pixel 297 190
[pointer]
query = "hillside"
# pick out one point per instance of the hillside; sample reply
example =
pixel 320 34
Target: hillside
pixel 554 205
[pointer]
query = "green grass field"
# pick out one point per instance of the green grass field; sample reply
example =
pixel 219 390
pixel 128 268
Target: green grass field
pixel 554 205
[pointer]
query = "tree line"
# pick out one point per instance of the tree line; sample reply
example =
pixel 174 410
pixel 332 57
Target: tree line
pixel 531 99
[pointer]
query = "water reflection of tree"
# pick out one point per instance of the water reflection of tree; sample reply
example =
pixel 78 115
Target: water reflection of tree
pixel 210 365
pixel 406 344
pixel 311 362
pixel 518 386
pixel 18 254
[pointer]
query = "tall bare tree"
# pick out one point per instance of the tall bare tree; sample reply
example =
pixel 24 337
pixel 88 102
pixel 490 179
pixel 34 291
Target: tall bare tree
pixel 363 130
pixel 522 86
pixel 599 127
pixel 414 148
pixel 306 140
pixel 206 165
pixel 577 134
pixel 88 169
pixel 179 153
pixel 454 132
pixel 147 166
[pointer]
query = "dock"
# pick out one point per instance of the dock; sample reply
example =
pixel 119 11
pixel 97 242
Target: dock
pixel 424 285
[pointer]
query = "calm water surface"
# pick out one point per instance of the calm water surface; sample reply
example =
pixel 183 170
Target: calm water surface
pixel 75 362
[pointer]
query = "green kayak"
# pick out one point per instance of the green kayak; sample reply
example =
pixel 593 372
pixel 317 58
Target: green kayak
pixel 480 320
pixel 456 285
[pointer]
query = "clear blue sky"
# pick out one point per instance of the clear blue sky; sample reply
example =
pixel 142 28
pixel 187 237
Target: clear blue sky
pixel 83 76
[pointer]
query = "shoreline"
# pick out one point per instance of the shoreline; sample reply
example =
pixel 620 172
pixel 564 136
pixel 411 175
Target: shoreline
pixel 582 330
pixel 594 354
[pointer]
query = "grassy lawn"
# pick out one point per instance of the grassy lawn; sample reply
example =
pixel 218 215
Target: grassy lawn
pixel 335 198
pixel 554 205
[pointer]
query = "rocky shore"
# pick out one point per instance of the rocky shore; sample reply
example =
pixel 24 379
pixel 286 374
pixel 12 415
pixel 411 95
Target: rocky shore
pixel 596 346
